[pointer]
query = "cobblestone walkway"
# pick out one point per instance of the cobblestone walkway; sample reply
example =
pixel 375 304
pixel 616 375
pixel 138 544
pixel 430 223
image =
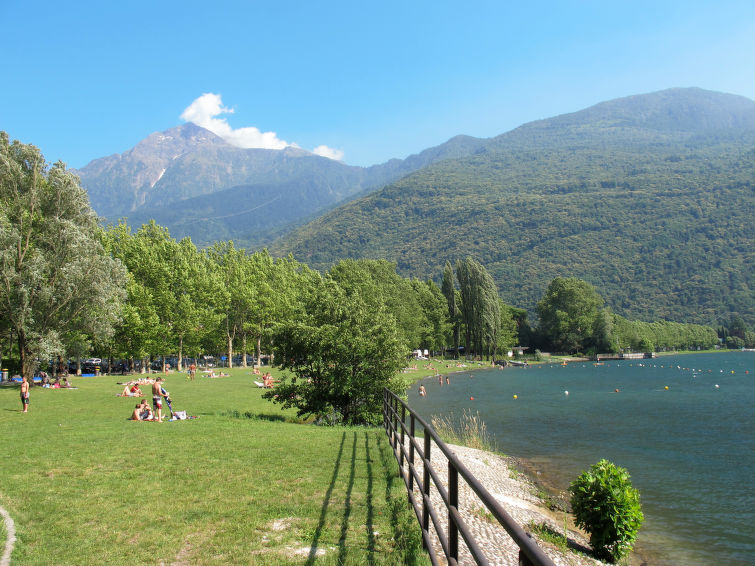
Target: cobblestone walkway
pixel 514 492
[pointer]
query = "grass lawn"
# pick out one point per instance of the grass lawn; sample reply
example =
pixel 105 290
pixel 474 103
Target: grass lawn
pixel 242 484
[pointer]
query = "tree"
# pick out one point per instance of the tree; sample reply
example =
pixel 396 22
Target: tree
pixel 342 352
pixel 237 294
pixel 434 314
pixel 568 313
pixel 55 276
pixel 479 306
pixel 279 286
pixel 377 282
pixel 449 292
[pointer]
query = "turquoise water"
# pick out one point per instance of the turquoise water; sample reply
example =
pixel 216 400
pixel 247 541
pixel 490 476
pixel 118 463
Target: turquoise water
pixel 688 448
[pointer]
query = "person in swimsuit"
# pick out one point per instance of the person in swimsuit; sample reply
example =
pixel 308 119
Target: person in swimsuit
pixel 157 398
pixel 145 412
pixel 25 394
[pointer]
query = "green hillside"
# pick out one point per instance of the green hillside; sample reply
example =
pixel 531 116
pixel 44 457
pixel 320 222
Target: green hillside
pixel 650 199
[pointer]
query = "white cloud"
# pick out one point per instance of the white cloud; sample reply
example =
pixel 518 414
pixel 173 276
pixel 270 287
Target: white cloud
pixel 204 111
pixel 329 152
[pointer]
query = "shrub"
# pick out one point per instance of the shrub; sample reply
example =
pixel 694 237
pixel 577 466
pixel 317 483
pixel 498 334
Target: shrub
pixel 607 506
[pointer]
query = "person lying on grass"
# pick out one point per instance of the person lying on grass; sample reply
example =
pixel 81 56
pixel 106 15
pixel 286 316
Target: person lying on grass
pixel 268 381
pixel 131 390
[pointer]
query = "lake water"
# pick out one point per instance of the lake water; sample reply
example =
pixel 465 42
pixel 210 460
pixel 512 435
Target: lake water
pixel 689 448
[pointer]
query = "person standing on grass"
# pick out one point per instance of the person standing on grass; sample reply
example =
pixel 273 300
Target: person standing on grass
pixel 25 394
pixel 157 398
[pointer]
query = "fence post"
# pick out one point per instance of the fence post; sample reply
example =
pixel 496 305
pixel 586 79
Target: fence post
pixel 426 485
pixel 403 424
pixel 395 419
pixel 411 451
pixel 453 503
pixel 523 560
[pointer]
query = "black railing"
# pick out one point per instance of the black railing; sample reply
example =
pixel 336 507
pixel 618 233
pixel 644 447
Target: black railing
pixel 395 413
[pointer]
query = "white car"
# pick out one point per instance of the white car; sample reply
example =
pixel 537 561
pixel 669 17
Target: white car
pixel 93 361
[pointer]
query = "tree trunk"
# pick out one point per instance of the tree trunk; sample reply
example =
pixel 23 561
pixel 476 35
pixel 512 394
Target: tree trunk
pixel 27 368
pixel 258 361
pixel 243 351
pixel 179 365
pixel 230 351
pixel 456 341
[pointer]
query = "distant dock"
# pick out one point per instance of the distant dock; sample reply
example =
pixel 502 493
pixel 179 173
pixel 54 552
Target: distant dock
pixel 632 356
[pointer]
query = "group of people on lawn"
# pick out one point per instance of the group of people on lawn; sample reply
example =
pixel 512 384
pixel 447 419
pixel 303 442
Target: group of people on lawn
pixel 142 411
pixel 46 383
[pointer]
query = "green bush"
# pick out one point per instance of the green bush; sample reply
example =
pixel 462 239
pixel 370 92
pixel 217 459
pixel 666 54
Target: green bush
pixel 607 506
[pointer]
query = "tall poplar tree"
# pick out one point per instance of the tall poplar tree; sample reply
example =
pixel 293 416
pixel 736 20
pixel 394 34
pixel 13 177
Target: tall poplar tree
pixel 449 291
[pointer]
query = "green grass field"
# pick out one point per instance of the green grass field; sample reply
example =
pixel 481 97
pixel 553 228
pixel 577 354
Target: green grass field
pixel 245 483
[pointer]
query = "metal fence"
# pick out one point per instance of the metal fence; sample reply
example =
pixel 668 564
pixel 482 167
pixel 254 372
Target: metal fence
pixel 406 447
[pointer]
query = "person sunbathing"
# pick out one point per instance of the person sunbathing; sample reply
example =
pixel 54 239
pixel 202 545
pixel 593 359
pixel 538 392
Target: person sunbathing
pixel 137 414
pixel 268 381
pixel 146 413
pixel 142 412
pixel 131 390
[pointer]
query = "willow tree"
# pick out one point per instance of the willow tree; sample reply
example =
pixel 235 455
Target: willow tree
pixel 56 279
pixel 480 308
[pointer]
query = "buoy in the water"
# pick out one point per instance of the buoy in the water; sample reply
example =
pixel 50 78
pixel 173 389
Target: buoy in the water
pixel 515 397
pixel 471 398
pixel 666 387
pixel 716 385
pixel 616 390
pixel 566 392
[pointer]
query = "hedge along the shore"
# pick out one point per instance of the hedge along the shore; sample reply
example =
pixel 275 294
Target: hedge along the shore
pixel 607 506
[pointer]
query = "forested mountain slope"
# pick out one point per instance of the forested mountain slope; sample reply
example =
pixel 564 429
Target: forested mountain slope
pixel 649 198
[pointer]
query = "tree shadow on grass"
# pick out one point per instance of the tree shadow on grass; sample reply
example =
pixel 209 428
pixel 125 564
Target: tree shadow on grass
pixel 382 468
pixel 325 505
pixel 234 414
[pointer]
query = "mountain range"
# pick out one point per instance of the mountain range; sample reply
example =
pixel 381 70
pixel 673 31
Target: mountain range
pixel 198 185
pixel 649 197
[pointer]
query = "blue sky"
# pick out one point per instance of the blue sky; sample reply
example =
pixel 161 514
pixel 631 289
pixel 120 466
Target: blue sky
pixel 363 81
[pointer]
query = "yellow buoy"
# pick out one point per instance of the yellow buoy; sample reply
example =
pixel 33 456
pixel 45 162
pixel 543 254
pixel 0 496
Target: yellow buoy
pixel 666 387
pixel 515 397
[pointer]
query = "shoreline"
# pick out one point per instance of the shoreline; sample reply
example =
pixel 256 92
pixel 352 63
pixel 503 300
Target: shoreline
pixel 529 477
pixel 518 494
pixel 640 555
